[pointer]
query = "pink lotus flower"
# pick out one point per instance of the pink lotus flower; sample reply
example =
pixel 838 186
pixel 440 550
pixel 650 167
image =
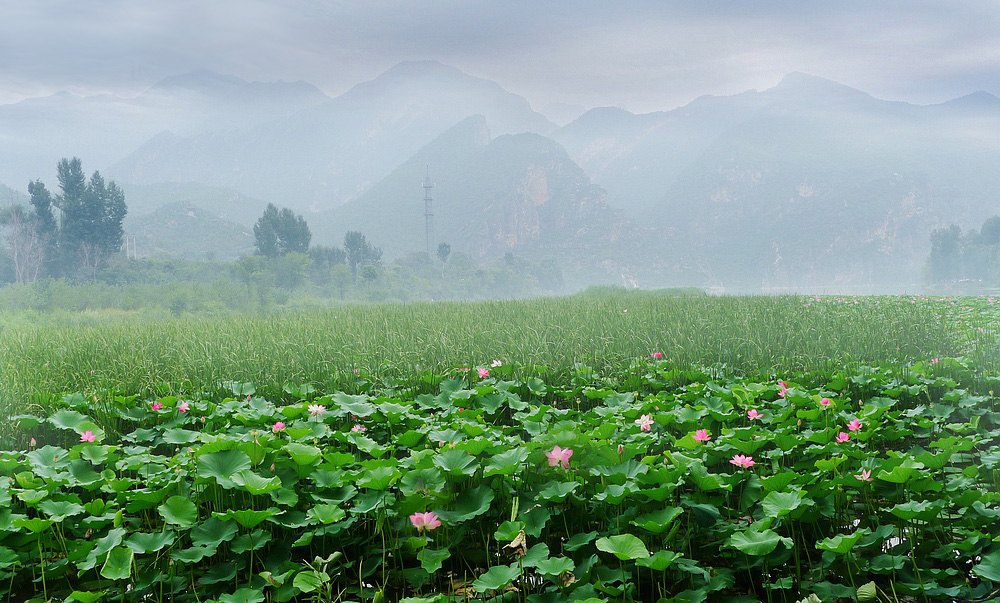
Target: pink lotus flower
pixel 935 360
pixel 358 428
pixel 621 448
pixel 156 405
pixel 742 461
pixel 842 437
pixel 559 456
pixel 279 426
pixel 483 372
pixel 316 409
pixel 33 442
pixel 425 521
pixel 825 401
pixel 701 435
pixel 644 422
pixel 752 414
pixel 496 363
pixel 657 355
pixel 865 475
pixel 184 406
pixel 854 425
pixel 87 436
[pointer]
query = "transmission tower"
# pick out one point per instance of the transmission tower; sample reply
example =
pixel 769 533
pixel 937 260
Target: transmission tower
pixel 429 209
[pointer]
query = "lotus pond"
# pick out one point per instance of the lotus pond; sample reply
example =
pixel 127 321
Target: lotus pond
pixel 654 484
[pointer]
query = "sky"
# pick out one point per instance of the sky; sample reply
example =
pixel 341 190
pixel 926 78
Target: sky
pixel 642 55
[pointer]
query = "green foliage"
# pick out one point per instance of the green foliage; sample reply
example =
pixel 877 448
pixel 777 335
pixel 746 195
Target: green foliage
pixel 210 486
pixel 277 233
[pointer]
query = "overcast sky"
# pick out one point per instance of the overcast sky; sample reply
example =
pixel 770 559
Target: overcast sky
pixel 642 55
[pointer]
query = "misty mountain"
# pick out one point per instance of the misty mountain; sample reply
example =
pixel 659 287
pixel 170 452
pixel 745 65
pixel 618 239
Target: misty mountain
pixel 321 157
pixel 517 193
pixel 810 182
pixel 180 229
pixel 103 130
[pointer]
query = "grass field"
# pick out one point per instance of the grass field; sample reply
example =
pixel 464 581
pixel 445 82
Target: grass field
pixel 604 329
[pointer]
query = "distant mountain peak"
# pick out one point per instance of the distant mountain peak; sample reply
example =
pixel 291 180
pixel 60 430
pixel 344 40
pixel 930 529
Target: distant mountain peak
pixel 976 100
pixel 800 83
pixel 199 80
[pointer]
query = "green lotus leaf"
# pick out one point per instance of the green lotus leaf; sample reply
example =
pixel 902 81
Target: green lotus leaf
pixel 554 566
pixel 178 435
pixel 623 546
pixel 659 561
pixel 469 504
pixel 379 478
pixel 35 524
pixel 535 554
pixel 498 577
pixel 222 465
pixel 256 484
pixel 142 542
pixel 506 462
pixel 658 521
pixel 456 462
pixel 923 510
pixel 308 581
pixel 423 481
pixel 776 504
pixel 754 542
pixel 60 510
pixel 431 559
pixel 508 530
pixel 841 543
pixel 193 554
pixel 579 539
pixel 179 511
pixel 85 596
pixel 327 513
pixel 118 565
pixel 901 473
pixel 989 568
pixel 83 474
pixel 248 518
pixel 557 491
pixel 68 419
pixel 243 595
pixel 212 532
pixel 867 592
pixel 303 454
pixel 778 481
pixel 250 542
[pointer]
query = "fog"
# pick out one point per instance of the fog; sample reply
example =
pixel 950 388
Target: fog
pixel 780 148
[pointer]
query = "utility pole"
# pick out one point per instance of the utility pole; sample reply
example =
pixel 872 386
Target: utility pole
pixel 429 210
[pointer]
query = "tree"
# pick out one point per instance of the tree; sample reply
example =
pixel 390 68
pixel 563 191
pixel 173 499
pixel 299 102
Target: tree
pixel 92 215
pixel 323 261
pixel 279 232
pixel 945 259
pixel 360 252
pixel 45 225
pixel 26 246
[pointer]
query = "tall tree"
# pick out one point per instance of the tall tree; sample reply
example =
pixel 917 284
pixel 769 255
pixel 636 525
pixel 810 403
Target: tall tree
pixel 45 225
pixel 92 216
pixel 359 251
pixel 279 232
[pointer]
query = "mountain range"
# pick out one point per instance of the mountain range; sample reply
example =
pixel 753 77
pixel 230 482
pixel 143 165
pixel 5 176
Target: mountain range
pixel 806 184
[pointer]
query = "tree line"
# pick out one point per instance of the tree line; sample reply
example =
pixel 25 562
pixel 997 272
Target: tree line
pixel 71 234
pixel 972 256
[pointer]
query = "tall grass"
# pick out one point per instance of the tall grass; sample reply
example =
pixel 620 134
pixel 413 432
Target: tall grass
pixel 144 355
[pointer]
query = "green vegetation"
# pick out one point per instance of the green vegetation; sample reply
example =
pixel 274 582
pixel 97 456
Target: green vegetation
pixel 972 257
pixel 616 446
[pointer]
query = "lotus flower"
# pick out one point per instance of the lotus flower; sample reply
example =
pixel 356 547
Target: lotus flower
pixel 279 426
pixel 753 414
pixel 425 521
pixel 842 437
pixel 358 428
pixel 316 409
pixel 825 402
pixel 644 422
pixel 657 355
pixel 483 372
pixel 184 406
pixel 156 405
pixel 865 475
pixel 559 456
pixel 742 461
pixel 87 436
pixel 701 435
pixel 854 425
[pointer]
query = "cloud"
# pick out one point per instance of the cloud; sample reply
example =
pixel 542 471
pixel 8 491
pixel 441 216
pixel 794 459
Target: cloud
pixel 644 54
